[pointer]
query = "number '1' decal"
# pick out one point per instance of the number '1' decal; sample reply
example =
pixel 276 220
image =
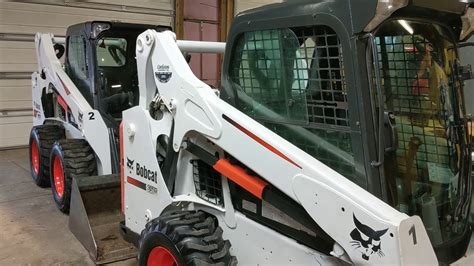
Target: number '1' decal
pixel 412 232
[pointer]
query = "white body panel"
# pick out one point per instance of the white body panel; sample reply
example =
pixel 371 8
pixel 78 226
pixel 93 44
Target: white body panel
pixel 267 247
pixel 330 199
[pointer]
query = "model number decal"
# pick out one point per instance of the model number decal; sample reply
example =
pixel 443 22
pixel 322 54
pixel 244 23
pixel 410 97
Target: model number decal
pixel 151 189
pixel 91 116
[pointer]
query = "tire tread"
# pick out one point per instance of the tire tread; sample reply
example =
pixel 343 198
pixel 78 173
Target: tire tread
pixel 78 161
pixel 47 135
pixel 196 235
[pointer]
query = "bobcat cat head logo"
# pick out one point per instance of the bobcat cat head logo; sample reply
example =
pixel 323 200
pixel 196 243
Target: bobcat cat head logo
pixel 367 240
pixel 130 163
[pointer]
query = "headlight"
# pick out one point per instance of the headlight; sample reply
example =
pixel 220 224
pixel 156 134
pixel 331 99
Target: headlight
pixel 467 24
pixel 385 9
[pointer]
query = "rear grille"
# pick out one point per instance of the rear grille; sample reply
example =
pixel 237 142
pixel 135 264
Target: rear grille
pixel 208 183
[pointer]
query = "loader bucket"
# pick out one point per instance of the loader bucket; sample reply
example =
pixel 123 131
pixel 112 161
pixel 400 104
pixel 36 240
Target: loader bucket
pixel 95 215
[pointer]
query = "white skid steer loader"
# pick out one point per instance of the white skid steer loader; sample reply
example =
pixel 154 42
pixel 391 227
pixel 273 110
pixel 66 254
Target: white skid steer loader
pixel 83 83
pixel 338 136
pixel 219 151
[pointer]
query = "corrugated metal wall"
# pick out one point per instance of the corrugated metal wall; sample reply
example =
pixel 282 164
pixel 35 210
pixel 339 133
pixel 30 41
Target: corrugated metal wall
pixel 20 20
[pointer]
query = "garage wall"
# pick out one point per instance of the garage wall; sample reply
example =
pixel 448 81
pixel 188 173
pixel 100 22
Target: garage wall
pixel 241 5
pixel 20 20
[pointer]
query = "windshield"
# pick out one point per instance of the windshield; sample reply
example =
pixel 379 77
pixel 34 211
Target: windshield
pixel 427 171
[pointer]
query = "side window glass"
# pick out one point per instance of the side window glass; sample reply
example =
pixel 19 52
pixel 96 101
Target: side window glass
pixel 77 57
pixel 76 66
pixel 293 82
pixel 272 76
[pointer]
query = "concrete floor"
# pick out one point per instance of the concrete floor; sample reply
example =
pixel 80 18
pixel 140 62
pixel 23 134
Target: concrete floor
pixel 34 232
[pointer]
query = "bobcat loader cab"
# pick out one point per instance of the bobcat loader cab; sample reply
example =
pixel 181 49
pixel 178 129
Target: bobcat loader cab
pixel 374 90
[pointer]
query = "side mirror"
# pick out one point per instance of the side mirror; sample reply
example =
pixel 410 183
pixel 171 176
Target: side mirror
pixel 59 50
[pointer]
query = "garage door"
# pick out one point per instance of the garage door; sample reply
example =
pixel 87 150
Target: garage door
pixel 19 21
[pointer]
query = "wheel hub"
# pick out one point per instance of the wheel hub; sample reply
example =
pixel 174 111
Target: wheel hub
pixel 162 257
pixel 35 157
pixel 58 176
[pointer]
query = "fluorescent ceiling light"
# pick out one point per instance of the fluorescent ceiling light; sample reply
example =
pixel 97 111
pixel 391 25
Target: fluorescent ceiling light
pixel 405 25
pixel 116 86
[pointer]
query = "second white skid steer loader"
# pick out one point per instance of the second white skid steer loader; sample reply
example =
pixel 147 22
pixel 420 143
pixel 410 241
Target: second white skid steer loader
pixel 82 85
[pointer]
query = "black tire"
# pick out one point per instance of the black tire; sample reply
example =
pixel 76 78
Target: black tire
pixel 192 237
pixel 41 141
pixel 75 158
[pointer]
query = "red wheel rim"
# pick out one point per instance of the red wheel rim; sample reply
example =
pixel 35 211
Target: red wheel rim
pixel 160 256
pixel 58 176
pixel 35 157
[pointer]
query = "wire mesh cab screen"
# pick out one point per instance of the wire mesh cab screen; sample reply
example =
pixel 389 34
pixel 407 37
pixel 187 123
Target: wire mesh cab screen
pixel 424 175
pixel 292 80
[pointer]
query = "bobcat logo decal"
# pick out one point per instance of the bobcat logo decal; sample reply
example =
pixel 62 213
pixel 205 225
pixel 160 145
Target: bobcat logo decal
pixel 130 163
pixel 366 240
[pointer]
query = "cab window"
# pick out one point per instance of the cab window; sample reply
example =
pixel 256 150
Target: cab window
pixel 76 66
pixel 292 81
pixel 112 52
